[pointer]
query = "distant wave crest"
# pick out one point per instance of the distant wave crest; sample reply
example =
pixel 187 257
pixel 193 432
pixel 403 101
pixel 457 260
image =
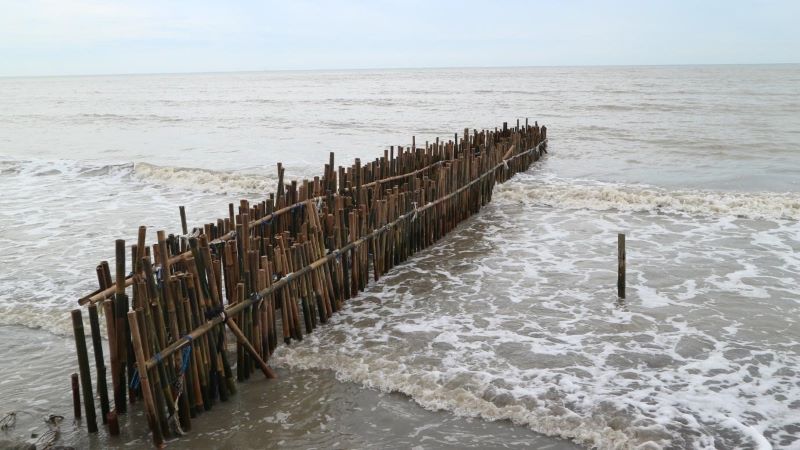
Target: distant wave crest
pixel 583 194
pixel 204 179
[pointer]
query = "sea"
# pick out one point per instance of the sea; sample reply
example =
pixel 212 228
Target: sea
pixel 508 332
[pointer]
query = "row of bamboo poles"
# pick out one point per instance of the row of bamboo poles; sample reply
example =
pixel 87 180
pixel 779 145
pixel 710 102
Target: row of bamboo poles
pixel 274 270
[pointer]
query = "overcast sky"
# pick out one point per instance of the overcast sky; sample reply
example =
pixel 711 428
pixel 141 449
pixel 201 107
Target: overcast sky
pixel 54 37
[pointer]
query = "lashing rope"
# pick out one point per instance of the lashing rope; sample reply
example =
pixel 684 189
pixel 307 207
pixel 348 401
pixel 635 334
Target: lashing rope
pixel 178 385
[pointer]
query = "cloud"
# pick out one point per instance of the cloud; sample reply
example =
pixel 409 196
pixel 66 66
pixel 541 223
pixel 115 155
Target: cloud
pixel 62 23
pixel 113 36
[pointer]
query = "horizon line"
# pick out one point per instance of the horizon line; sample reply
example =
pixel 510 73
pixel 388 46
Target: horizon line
pixel 368 69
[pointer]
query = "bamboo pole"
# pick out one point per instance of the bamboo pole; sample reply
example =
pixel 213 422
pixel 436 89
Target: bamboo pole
pixel 76 396
pixel 120 328
pixel 83 368
pixel 144 379
pixel 100 366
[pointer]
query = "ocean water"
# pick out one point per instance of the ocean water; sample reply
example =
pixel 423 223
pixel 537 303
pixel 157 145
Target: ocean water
pixel 508 332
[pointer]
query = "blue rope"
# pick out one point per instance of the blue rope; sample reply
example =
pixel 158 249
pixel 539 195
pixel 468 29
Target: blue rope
pixel 185 361
pixel 187 353
pixel 135 380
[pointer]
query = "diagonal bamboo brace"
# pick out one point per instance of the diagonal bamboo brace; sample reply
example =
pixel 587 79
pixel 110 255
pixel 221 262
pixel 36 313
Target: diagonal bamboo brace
pixel 268 372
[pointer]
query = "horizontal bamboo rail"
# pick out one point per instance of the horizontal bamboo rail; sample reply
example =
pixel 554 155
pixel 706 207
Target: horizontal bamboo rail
pixel 278 269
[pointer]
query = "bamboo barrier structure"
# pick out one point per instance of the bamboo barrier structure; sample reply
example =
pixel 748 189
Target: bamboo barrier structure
pixel 276 270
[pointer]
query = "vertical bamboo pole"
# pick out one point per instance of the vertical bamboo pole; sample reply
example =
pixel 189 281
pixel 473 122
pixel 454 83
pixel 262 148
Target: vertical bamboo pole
pixel 83 368
pixel 108 309
pixel 147 393
pixel 184 226
pixel 76 396
pixel 120 327
pixel 113 423
pixel 100 365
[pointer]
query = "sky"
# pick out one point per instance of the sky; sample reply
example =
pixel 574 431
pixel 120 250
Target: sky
pixel 73 37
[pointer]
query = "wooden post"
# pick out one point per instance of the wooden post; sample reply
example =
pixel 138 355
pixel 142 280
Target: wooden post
pixel 621 265
pixel 113 423
pixel 147 393
pixel 184 226
pixel 120 310
pixel 108 309
pixel 83 368
pixel 99 362
pixel 76 396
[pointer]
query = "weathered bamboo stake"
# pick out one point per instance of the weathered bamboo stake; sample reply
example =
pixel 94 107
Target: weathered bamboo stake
pixel 621 265
pixel 272 317
pixel 154 335
pixel 76 396
pixel 120 328
pixel 108 309
pixel 200 357
pixel 144 379
pixel 172 313
pixel 83 369
pixel 302 287
pixel 184 226
pixel 194 378
pixel 130 360
pixel 222 377
pixel 113 423
pixel 189 385
pixel 100 366
pixel 149 340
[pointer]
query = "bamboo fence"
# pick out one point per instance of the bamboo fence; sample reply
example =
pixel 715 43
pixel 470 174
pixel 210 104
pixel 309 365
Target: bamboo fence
pixel 273 271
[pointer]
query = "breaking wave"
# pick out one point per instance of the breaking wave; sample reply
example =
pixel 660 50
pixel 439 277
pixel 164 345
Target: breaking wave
pixel 204 179
pixel 196 179
pixel 427 389
pixel 593 195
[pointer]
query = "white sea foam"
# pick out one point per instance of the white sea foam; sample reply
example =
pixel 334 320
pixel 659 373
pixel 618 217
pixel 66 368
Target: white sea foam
pixel 516 318
pixel 219 181
pixel 60 219
pixel 584 194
